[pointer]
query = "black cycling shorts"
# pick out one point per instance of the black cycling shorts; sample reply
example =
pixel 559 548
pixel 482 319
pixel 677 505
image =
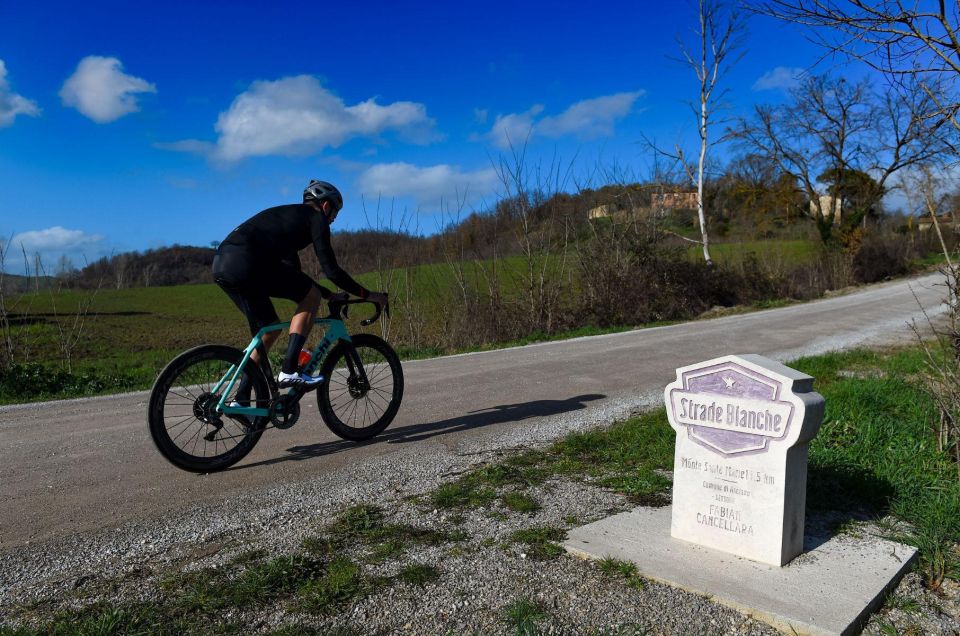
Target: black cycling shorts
pixel 250 282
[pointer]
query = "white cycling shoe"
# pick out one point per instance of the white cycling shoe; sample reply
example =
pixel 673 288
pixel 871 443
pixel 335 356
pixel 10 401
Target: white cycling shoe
pixel 299 380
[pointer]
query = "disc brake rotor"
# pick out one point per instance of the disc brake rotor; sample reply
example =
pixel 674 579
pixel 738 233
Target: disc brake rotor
pixel 205 408
pixel 357 387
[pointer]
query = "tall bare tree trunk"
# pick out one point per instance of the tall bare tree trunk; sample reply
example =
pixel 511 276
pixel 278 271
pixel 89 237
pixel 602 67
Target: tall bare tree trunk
pixel 701 208
pixel 718 36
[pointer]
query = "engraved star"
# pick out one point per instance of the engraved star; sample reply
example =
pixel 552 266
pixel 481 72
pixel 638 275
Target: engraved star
pixel 730 382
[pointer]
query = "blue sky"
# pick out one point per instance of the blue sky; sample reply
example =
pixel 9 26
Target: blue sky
pixel 136 125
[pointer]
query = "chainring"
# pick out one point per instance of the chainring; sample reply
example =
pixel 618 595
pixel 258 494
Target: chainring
pixel 285 411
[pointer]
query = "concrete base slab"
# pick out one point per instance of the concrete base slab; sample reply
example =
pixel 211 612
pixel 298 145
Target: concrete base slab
pixel 829 589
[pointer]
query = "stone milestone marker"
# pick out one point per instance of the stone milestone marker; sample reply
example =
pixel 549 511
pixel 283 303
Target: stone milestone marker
pixel 743 427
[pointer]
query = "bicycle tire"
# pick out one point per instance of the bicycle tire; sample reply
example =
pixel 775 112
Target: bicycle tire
pixel 182 390
pixel 340 396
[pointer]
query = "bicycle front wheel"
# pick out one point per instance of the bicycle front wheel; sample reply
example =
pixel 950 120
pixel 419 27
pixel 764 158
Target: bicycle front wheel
pixel 184 422
pixel 363 388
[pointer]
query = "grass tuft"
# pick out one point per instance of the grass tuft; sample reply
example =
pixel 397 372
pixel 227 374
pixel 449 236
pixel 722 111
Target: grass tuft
pixel 522 615
pixel 342 582
pixel 539 542
pixel 520 502
pixel 461 494
pixel 624 569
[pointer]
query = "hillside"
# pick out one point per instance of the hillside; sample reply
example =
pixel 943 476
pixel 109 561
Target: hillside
pixel 506 229
pixel 14 284
pixel 175 265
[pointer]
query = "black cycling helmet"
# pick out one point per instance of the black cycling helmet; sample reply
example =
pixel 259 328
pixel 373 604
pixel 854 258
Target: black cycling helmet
pixel 321 190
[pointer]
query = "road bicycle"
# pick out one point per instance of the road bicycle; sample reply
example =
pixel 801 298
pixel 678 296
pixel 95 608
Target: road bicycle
pixel 198 424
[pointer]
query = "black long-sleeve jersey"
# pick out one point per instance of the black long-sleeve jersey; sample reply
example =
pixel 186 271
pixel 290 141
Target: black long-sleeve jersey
pixel 278 233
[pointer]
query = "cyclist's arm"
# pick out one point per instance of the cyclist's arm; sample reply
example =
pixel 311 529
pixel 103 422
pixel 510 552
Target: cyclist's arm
pixel 324 251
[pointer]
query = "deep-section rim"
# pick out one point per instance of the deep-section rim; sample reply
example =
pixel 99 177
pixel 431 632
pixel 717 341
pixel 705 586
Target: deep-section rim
pixel 327 412
pixel 158 397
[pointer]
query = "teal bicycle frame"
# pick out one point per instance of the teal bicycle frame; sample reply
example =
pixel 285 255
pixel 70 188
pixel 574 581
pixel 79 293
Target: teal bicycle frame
pixel 334 330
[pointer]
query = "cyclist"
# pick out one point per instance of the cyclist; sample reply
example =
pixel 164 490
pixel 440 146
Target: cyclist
pixel 258 260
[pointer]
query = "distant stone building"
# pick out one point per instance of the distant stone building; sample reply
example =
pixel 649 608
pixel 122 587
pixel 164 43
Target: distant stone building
pixel 947 222
pixel 599 212
pixel 674 201
pixel 831 207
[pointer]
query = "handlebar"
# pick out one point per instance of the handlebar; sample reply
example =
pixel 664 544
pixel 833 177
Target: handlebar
pixel 340 308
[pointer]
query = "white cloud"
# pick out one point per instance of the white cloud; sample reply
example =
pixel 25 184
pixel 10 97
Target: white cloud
pixel 54 246
pixel 55 238
pixel 780 78
pixel 426 185
pixel 515 129
pixel 12 104
pixel 586 119
pixel 102 91
pixel 298 116
pixel 590 117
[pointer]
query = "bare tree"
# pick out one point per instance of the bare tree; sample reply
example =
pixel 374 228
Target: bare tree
pixel 916 40
pixel 718 37
pixel 8 337
pixel 121 264
pixel 69 325
pixel 941 375
pixel 891 36
pixel 845 133
pixel 542 236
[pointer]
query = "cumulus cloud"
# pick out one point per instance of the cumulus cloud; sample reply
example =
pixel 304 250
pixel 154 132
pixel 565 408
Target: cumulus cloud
pixel 780 78
pixel 514 129
pixel 102 91
pixel 55 246
pixel 590 117
pixel 298 116
pixel 12 104
pixel 55 238
pixel 427 185
pixel 586 119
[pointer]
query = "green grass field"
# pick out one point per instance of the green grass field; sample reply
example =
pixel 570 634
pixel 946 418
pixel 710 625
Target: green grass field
pixel 785 252
pixel 128 335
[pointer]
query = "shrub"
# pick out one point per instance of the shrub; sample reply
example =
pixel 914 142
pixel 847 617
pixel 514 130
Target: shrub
pixel 880 257
pixel 32 381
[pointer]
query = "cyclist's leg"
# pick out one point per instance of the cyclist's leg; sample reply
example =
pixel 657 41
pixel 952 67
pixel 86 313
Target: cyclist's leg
pixel 233 272
pixel 295 285
pixel 259 312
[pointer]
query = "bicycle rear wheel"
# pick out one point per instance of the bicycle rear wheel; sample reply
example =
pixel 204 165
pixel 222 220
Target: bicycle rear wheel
pixel 363 388
pixel 184 423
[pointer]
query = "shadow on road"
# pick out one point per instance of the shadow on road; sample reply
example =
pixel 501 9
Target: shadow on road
pixel 501 414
